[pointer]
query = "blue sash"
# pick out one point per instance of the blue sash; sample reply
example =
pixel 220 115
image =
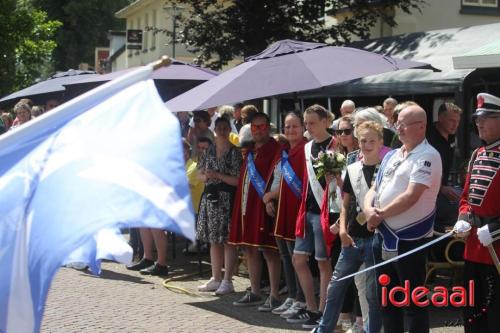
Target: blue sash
pixel 414 231
pixel 294 183
pixel 255 178
pixel 383 165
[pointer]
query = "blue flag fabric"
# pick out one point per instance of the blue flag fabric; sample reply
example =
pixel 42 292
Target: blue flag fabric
pixel 110 159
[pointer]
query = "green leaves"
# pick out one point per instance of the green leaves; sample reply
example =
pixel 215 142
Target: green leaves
pixel 26 48
pixel 218 32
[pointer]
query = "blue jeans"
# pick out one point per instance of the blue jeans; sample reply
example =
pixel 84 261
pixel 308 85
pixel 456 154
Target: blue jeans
pixel 351 258
pixel 413 269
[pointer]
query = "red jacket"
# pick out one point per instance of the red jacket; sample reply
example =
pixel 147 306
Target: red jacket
pixel 481 197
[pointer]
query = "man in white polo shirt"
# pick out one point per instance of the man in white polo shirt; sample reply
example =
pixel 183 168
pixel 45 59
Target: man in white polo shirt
pixel 401 206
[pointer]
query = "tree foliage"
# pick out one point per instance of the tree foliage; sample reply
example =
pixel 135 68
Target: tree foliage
pixel 27 45
pixel 218 31
pixel 85 27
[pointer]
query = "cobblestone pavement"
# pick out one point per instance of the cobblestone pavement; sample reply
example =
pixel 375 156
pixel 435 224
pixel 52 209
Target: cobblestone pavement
pixel 125 301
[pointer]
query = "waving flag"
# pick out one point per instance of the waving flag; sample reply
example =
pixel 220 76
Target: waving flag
pixel 111 158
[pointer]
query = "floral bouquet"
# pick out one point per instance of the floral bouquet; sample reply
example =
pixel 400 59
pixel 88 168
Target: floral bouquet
pixel 329 162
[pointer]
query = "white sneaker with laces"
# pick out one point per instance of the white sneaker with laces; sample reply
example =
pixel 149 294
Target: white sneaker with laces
pixel 292 310
pixel 226 287
pixel 211 285
pixel 284 306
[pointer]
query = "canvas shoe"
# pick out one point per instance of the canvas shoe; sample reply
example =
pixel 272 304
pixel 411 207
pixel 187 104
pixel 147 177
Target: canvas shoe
pixel 343 325
pixel 143 263
pixel 296 306
pixel 355 328
pixel 226 287
pixel 156 270
pixel 210 285
pixel 284 306
pixel 313 320
pixel 301 316
pixel 248 300
pixel 270 304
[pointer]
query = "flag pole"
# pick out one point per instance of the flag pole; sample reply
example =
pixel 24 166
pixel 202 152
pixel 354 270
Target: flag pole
pixel 164 61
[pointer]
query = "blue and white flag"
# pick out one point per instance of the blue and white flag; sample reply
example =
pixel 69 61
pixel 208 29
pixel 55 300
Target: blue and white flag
pixel 111 158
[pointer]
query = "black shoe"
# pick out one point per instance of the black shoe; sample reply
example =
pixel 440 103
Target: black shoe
pixel 155 269
pixel 313 320
pixel 143 263
pixel 299 317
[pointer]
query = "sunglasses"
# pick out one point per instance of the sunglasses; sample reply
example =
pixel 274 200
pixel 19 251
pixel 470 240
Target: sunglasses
pixel 197 120
pixel 347 131
pixel 260 127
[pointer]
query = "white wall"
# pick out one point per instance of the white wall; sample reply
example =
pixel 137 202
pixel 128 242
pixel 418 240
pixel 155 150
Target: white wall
pixel 438 14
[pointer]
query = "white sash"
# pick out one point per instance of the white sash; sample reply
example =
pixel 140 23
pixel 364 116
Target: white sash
pixel 315 185
pixel 358 182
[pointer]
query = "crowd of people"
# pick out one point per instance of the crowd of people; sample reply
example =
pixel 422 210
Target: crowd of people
pixel 258 193
pixel 24 111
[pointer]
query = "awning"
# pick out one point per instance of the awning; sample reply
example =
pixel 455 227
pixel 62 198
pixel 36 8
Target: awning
pixel 487 56
pixel 436 47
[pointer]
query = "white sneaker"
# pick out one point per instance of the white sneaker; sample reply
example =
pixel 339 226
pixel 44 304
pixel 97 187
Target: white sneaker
pixel 355 328
pixel 226 287
pixel 292 310
pixel 211 285
pixel 283 307
pixel 343 325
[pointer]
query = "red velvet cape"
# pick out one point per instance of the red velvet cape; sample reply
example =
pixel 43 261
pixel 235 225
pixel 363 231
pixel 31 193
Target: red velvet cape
pixel 255 228
pixel 288 203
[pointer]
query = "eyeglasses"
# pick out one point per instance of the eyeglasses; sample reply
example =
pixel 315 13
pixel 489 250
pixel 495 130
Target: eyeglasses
pixel 261 127
pixel 197 120
pixel 400 125
pixel 347 131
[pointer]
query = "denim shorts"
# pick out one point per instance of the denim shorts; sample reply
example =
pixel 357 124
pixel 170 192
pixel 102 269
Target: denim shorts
pixel 313 240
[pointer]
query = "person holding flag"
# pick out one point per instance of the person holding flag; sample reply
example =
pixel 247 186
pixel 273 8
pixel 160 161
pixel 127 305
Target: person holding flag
pixel 480 210
pixel 250 225
pixel 76 170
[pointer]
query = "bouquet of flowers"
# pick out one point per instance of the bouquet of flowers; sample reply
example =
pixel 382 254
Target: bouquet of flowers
pixel 329 162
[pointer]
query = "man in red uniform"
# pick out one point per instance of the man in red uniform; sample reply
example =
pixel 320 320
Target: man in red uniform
pixel 480 209
pixel 250 225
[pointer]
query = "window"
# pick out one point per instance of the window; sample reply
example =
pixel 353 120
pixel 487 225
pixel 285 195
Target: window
pixel 481 7
pixel 480 3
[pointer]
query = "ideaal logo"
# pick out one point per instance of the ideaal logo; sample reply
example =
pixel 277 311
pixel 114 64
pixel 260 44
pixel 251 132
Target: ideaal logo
pixel 441 297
